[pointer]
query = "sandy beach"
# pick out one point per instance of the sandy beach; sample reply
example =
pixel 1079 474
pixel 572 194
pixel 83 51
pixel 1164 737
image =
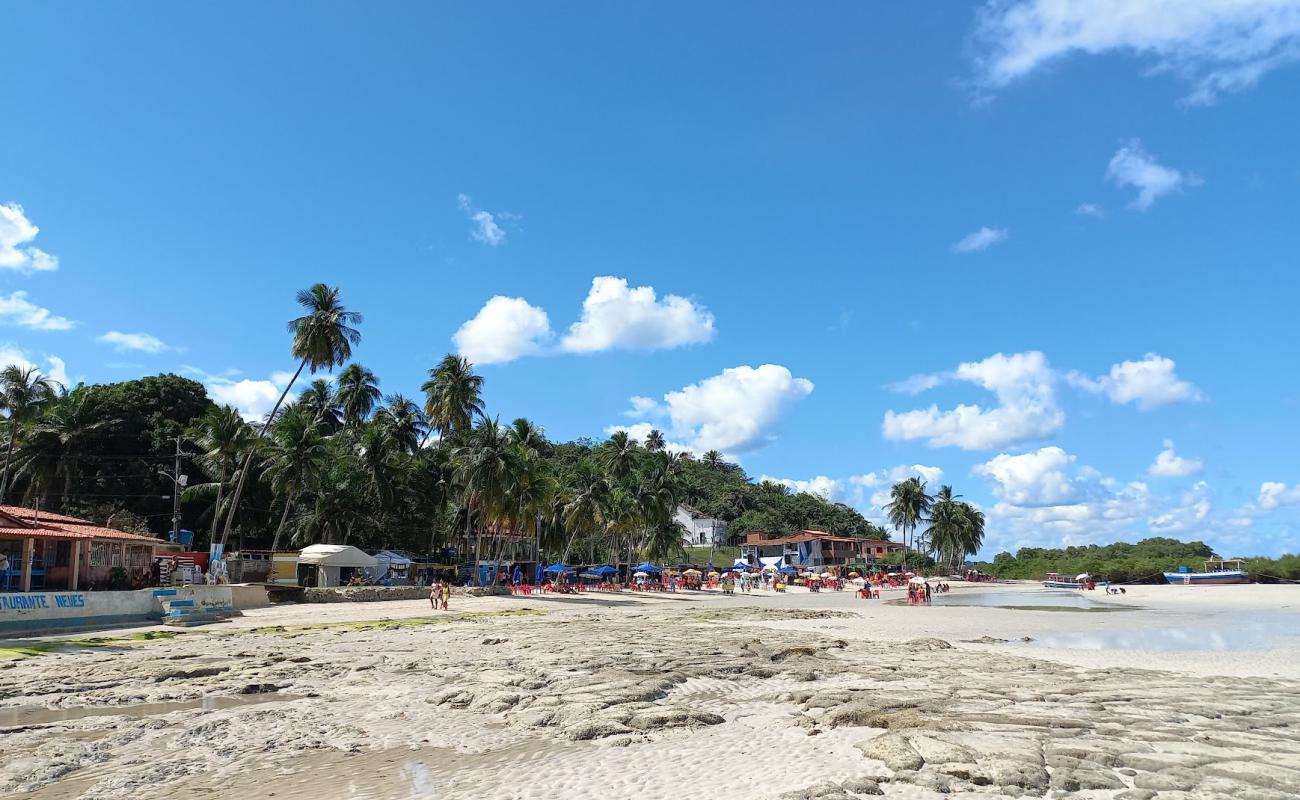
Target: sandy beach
pixel 1165 692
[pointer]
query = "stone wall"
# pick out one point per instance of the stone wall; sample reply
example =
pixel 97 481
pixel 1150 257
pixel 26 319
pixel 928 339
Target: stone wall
pixel 364 594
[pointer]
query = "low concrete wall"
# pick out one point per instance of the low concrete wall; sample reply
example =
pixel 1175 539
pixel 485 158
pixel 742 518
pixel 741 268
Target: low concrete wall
pixel 365 594
pixel 53 612
pixel 249 596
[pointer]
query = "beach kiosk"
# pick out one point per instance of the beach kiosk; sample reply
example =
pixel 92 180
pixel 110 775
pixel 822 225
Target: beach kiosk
pixel 326 565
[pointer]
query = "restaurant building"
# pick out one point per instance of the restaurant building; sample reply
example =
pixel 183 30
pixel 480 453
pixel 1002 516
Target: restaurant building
pixel 41 551
pixel 814 549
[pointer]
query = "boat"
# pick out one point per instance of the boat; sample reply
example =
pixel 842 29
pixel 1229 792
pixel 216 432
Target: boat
pixel 1214 574
pixel 1058 581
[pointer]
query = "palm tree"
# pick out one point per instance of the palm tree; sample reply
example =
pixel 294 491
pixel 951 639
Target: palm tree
pixel 357 394
pixel 71 424
pixel 908 506
pixel 618 456
pixel 222 436
pixel 654 441
pixel 295 459
pixel 481 465
pixel 585 505
pixel 947 523
pixel 322 339
pixel 23 393
pixel 453 396
pixel 972 534
pixel 319 398
pixel 714 461
pixel 403 420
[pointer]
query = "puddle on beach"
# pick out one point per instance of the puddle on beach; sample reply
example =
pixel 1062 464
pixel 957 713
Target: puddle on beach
pixel 40 715
pixel 1257 634
pixel 1046 600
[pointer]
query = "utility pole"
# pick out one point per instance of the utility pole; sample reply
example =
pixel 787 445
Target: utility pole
pixel 179 482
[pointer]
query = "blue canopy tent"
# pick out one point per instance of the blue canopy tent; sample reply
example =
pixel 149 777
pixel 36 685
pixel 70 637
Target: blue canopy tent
pixel 606 570
pixel 788 570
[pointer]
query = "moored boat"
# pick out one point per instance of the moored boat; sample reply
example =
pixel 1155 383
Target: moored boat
pixel 1215 573
pixel 1080 581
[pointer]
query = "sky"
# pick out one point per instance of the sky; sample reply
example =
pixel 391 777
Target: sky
pixel 1044 252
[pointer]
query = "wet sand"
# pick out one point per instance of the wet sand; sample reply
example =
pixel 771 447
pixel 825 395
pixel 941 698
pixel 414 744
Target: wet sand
pixel 801 695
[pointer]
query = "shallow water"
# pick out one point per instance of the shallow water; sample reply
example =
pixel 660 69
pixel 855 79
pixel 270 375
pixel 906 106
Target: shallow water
pixel 1232 632
pixel 1045 600
pixel 40 715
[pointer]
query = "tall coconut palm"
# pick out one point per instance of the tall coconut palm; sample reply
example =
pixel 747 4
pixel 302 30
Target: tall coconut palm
pixel 222 437
pixel 403 420
pixel 947 524
pixel 318 397
pixel 907 507
pixel 23 393
pixel 295 459
pixel 972 535
pixel 357 394
pixel 453 396
pixel 618 456
pixel 714 461
pixel 72 424
pixel 654 441
pixel 481 464
pixel 583 511
pixel 322 339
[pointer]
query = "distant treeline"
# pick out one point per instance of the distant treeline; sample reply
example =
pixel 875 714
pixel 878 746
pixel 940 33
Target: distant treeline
pixel 1129 563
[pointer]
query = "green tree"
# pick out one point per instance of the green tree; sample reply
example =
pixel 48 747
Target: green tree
pixel 453 396
pixel 907 507
pixel 24 391
pixel 323 338
pixel 295 459
pixel 357 394
pixel 222 437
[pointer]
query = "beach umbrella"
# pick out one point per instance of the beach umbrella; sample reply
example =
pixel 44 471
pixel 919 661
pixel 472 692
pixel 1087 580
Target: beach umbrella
pixel 853 574
pixel 692 572
pixel 647 568
pixel 826 574
pixel 918 580
pixel 640 574
pixel 1081 576
pixel 558 568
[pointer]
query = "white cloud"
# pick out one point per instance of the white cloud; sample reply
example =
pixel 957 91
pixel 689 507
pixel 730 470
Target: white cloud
pixel 1273 494
pixel 919 383
pixel 254 399
pixel 1148 383
pixel 1169 464
pixel 1215 45
pixel 55 368
pixel 1090 210
pixel 982 239
pixel 1132 166
pixel 616 316
pixel 640 430
pixel 486 229
pixel 642 407
pixel 16 252
pixel 1039 478
pixel 888 477
pixel 1027 409
pixel 504 329
pixel 16 309
pixel 735 411
pixel 137 342
pixel 1189 514
pixel 822 486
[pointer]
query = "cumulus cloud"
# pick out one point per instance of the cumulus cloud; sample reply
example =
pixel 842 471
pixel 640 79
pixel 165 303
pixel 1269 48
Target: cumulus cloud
pixel 1133 167
pixel 1031 479
pixel 1273 494
pixel 253 398
pixel 888 477
pixel 55 368
pixel 1024 386
pixel 1090 210
pixel 485 228
pixel 735 411
pixel 615 316
pixel 1169 464
pixel 1214 45
pixel 822 486
pixel 16 251
pixel 16 309
pixel 504 329
pixel 1190 513
pixel 642 407
pixel 1148 383
pixel 137 342
pixel 982 239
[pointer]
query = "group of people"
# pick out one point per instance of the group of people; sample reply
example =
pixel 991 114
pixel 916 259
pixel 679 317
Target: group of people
pixel 439 594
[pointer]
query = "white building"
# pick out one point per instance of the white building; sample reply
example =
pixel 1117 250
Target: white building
pixel 700 528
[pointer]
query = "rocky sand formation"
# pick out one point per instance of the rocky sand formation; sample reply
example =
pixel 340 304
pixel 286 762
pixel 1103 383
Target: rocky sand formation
pixel 674 699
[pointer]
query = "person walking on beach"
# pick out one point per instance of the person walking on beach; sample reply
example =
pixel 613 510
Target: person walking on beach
pixel 927 594
pixel 446 595
pixel 435 592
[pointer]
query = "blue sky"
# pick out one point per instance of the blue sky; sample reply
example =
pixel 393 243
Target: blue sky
pixel 1023 245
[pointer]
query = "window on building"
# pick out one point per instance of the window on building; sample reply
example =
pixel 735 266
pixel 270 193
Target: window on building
pixel 99 554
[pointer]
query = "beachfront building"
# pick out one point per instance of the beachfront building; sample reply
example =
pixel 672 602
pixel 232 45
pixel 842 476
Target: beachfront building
pixel 813 549
pixel 41 551
pixel 699 528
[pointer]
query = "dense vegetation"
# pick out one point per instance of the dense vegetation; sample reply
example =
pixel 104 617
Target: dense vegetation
pixel 345 463
pixel 1129 563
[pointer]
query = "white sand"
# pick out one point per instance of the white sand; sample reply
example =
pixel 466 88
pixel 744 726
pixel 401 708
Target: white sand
pixel 610 696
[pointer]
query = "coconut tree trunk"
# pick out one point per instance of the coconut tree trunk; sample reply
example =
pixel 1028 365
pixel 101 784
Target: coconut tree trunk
pixel 216 510
pixel 248 459
pixel 9 454
pixel 288 503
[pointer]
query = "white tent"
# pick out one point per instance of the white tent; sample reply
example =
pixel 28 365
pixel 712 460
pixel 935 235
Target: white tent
pixel 332 564
pixel 392 564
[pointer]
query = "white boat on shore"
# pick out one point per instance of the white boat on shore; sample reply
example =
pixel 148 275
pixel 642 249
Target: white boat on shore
pixel 1081 581
pixel 1215 573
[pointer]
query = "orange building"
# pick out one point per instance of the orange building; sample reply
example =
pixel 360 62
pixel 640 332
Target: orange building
pixel 42 551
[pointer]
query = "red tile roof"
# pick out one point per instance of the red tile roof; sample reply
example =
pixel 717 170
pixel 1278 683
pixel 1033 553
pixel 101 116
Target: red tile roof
pixel 757 537
pixel 17 522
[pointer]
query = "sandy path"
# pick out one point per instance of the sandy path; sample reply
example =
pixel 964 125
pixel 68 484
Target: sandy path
pixel 616 696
